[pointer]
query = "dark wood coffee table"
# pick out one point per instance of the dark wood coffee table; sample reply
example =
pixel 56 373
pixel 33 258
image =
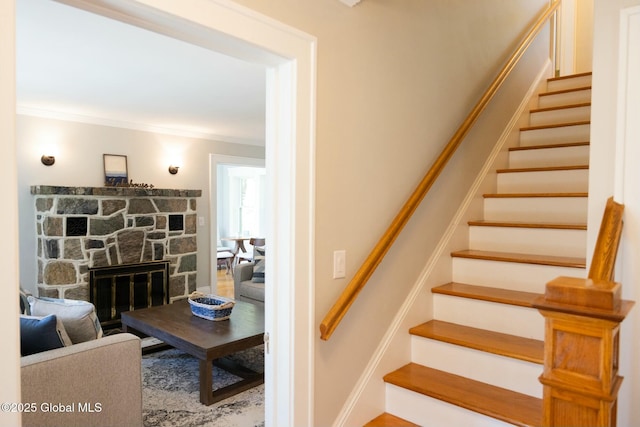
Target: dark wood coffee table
pixel 205 339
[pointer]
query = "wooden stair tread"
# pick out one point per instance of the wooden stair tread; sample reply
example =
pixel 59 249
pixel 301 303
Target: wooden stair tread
pixel 486 293
pixel 560 107
pixel 521 195
pixel 389 420
pixel 518 224
pixel 556 92
pixel 506 405
pixel 555 125
pixel 498 343
pixel 570 76
pixel 544 169
pixel 522 258
pixel 546 146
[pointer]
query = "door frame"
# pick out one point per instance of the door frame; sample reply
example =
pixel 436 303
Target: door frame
pixel 289 56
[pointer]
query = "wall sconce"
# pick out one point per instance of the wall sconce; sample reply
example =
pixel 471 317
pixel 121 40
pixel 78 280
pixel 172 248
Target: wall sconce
pixel 173 169
pixel 47 160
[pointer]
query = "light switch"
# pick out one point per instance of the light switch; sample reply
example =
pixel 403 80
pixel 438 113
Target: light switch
pixel 339 264
pixel 201 221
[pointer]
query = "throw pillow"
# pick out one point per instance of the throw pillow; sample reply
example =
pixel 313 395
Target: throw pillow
pixel 78 317
pixel 258 266
pixel 39 334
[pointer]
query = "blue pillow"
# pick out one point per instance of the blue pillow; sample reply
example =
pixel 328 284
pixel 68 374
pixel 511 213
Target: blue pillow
pixel 39 334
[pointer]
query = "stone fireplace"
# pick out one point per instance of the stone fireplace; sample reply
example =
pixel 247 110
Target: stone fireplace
pixel 83 228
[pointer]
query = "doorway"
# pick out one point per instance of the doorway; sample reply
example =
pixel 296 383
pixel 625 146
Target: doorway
pixel 290 58
pixel 231 178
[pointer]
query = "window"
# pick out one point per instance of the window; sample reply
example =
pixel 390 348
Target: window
pixel 241 201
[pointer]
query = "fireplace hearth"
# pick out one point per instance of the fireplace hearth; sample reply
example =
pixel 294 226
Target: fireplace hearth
pixel 80 230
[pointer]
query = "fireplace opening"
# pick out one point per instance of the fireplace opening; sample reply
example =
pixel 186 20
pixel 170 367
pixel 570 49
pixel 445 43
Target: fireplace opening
pixel 116 289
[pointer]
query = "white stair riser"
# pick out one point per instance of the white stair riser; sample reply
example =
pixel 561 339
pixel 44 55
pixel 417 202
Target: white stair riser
pixel 555 135
pixel 505 318
pixel 547 157
pixel 429 412
pixel 509 275
pixel 569 83
pixel 546 209
pixel 500 371
pixel 539 241
pixel 563 181
pixel 564 98
pixel 562 115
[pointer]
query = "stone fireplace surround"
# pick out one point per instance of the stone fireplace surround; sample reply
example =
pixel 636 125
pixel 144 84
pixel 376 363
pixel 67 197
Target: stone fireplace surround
pixel 78 228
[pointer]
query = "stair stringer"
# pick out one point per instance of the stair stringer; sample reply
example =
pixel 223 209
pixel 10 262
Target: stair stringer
pixel 367 398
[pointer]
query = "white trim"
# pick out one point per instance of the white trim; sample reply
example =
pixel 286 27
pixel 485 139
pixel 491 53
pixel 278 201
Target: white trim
pixel 626 189
pixel 418 288
pixel 624 119
pixel 290 58
pixel 10 359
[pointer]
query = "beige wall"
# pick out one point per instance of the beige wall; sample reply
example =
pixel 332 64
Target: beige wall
pixel 576 36
pixel 584 36
pixel 79 149
pixel 394 80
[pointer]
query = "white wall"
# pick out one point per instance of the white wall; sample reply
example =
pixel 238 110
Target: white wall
pixel 612 172
pixel 79 148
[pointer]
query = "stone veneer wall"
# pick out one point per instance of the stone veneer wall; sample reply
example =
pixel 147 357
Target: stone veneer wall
pixel 82 227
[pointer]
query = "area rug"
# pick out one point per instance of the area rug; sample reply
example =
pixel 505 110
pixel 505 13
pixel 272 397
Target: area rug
pixel 171 393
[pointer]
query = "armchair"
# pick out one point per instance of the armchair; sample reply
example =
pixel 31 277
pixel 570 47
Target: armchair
pixel 245 287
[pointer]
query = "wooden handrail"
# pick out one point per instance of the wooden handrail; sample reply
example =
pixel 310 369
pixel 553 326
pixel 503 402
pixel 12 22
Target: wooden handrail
pixel 349 295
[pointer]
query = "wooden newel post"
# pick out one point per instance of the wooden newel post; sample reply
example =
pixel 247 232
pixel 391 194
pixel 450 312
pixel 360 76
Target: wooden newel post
pixel 582 338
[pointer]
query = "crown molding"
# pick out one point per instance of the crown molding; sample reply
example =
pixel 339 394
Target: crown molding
pixel 102 121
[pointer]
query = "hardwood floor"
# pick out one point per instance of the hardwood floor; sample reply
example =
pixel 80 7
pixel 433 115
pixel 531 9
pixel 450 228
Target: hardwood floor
pixel 225 284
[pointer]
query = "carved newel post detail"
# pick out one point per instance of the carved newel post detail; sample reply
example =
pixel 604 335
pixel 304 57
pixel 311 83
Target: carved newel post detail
pixel 582 337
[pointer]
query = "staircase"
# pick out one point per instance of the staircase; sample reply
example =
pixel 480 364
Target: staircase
pixel 478 362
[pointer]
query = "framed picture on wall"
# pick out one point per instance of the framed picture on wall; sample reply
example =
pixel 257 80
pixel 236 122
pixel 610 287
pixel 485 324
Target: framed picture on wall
pixel 115 169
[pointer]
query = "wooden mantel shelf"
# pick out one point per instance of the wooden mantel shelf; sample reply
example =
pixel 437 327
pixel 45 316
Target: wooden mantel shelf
pixel 113 191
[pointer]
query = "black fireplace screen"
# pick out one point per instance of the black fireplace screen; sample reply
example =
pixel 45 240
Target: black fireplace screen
pixel 127 287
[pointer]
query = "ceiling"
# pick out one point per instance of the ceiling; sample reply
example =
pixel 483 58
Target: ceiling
pixel 76 65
